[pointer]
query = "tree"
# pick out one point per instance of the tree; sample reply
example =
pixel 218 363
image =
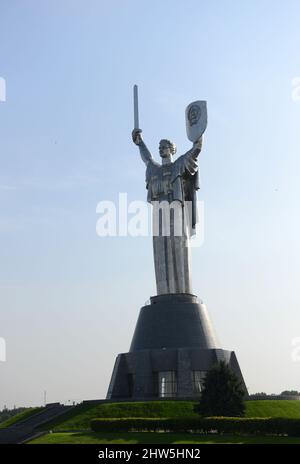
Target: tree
pixel 223 393
pixel 289 393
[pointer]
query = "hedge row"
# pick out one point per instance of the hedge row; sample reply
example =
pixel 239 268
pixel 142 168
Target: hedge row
pixel 257 426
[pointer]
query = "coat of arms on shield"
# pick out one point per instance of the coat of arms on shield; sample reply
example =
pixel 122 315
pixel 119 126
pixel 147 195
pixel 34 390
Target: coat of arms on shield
pixel 196 119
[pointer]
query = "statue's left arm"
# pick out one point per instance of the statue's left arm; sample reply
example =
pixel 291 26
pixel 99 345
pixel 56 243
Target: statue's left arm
pixel 190 158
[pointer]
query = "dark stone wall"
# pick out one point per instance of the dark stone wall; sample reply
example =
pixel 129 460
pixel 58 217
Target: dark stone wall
pixel 144 364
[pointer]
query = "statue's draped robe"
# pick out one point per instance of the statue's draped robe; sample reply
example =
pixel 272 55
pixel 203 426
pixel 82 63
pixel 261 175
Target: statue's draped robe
pixel 172 192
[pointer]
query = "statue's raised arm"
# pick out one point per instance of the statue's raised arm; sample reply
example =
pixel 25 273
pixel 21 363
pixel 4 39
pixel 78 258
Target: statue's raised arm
pixel 190 158
pixel 138 140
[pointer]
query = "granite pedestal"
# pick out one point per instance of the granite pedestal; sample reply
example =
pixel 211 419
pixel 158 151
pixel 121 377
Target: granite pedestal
pixel 173 342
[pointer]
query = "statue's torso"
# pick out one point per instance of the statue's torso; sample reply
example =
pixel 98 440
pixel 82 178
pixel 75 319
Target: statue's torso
pixel 172 182
pixel 165 182
pixel 160 185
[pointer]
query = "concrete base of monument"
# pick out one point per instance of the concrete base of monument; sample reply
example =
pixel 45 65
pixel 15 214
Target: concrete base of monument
pixel 173 347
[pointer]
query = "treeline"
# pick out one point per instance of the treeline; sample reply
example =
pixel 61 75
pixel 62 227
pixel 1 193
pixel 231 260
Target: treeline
pixel 284 393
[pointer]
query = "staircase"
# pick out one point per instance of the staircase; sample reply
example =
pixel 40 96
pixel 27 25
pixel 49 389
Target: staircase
pixel 28 428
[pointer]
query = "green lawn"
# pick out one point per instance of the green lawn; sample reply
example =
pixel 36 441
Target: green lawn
pixel 79 418
pixel 155 438
pixel 19 417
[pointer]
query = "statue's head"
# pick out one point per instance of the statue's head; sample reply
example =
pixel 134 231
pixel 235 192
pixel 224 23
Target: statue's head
pixel 166 148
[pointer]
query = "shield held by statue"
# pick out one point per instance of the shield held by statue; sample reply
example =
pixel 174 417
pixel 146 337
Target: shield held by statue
pixel 196 119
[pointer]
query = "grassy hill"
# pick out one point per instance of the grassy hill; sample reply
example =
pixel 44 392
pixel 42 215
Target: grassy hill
pixel 19 417
pixel 273 408
pixel 79 418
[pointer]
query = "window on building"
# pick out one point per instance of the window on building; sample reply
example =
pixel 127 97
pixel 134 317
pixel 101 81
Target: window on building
pixel 167 384
pixel 198 378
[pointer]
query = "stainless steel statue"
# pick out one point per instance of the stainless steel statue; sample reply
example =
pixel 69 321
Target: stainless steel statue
pixel 172 188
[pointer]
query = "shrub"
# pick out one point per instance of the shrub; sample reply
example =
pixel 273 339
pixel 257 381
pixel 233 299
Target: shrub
pixel 223 393
pixel 232 425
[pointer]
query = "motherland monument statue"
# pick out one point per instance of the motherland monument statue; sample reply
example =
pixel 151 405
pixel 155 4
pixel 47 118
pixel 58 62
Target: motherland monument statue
pixel 172 187
pixel 174 343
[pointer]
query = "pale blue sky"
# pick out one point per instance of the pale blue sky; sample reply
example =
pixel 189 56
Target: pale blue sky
pixel 69 300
